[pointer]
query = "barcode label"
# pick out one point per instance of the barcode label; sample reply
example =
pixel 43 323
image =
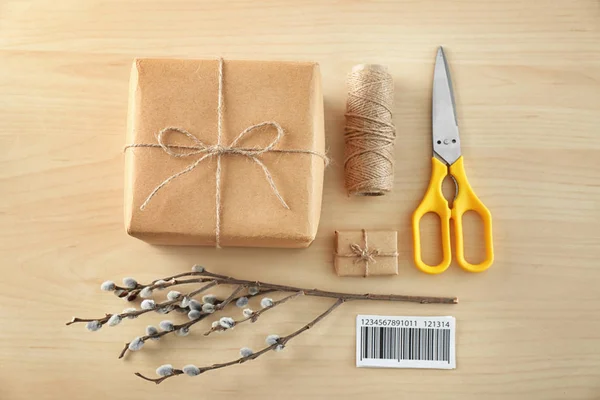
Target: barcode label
pixel 405 342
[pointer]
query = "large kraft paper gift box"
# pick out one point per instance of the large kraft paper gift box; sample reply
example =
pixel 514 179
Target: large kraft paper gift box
pixel 185 94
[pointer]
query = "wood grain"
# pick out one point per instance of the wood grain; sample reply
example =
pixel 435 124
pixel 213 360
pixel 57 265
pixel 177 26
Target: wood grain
pixel 527 77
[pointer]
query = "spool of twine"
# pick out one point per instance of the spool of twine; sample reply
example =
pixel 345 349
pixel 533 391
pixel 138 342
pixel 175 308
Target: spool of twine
pixel 370 133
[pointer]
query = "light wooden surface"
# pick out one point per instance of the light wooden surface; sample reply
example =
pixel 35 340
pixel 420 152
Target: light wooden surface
pixel 527 77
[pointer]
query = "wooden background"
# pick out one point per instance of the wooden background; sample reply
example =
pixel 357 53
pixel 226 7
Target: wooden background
pixel 527 77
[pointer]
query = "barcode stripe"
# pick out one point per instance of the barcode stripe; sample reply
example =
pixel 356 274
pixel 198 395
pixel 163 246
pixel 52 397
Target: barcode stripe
pixel 436 345
pixel 421 343
pixel 442 341
pixel 396 343
pixel 426 345
pixel 447 345
pixel 363 335
pixel 429 343
pixel 411 344
pixel 446 339
pixel 417 354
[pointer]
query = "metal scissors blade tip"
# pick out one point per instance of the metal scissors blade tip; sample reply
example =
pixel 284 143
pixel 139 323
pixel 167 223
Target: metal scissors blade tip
pixel 446 142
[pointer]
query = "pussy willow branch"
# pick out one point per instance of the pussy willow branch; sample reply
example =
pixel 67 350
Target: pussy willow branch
pixel 255 314
pixel 131 293
pixel 136 313
pixel 281 342
pixel 207 276
pixel 199 275
pixel 187 324
pixel 227 280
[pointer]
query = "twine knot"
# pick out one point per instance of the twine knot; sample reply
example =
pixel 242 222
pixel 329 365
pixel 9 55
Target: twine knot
pixel 364 254
pixel 216 149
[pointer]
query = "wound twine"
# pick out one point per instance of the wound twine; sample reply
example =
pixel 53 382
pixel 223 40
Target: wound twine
pixel 366 254
pixel 370 133
pixel 204 151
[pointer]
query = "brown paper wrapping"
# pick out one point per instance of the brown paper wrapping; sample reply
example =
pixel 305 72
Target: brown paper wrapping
pixel 347 263
pixel 184 93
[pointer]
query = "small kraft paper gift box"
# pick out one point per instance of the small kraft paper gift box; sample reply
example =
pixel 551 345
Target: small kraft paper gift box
pixel 224 153
pixel 366 253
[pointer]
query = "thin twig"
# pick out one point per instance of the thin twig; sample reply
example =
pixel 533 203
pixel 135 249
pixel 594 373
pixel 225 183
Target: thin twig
pixel 306 327
pixel 163 333
pixel 281 342
pixel 318 292
pixel 323 293
pixel 159 380
pixel 228 300
pixel 77 319
pixel 190 273
pixel 203 288
pixel 255 314
pixel 124 315
pixel 169 281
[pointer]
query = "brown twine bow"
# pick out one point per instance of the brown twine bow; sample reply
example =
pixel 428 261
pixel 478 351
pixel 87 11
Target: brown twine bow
pixel 364 254
pixel 217 151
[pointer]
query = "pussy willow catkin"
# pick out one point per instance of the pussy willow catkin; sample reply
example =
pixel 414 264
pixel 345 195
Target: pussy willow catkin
pixel 370 133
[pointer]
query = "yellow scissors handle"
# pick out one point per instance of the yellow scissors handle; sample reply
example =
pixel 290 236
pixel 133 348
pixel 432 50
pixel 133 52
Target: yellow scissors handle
pixel 467 200
pixel 433 202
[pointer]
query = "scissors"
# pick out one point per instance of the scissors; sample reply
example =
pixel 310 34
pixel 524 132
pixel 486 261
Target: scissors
pixel 447 159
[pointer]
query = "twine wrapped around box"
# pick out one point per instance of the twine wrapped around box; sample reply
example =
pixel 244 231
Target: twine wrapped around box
pixel 365 254
pixel 199 148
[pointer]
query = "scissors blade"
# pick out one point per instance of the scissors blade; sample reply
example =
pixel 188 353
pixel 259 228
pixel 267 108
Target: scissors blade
pixel 446 142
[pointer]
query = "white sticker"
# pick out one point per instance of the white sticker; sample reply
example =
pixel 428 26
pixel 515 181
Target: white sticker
pixel 405 342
